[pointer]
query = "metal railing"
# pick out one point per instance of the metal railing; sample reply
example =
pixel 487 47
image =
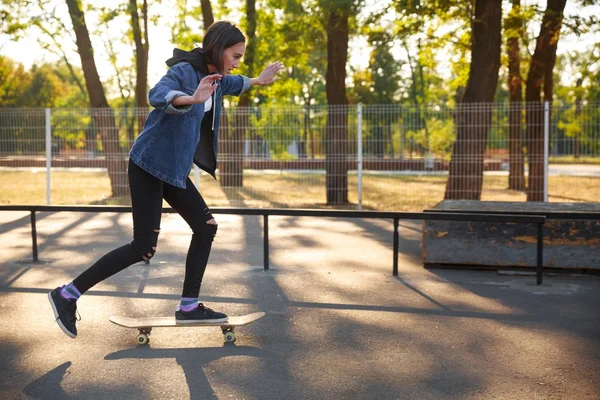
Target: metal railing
pixel 539 220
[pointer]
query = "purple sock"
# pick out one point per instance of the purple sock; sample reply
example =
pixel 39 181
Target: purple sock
pixel 187 304
pixel 70 292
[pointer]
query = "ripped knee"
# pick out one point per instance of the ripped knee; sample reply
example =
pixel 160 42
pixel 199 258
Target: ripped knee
pixel 207 230
pixel 212 229
pixel 148 255
pixel 145 248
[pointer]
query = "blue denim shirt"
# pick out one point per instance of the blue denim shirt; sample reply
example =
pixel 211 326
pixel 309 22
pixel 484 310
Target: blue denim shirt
pixel 167 145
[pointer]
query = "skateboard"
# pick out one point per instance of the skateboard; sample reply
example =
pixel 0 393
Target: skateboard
pixel 145 325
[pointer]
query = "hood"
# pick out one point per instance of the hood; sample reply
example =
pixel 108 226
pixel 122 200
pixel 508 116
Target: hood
pixel 195 57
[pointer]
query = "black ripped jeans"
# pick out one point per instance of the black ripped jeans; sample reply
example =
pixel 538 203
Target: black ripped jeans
pixel 147 194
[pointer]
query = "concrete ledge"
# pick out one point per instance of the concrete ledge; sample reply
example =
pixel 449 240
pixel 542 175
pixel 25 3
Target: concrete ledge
pixel 569 244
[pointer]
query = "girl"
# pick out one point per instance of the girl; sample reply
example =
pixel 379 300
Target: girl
pixel 181 129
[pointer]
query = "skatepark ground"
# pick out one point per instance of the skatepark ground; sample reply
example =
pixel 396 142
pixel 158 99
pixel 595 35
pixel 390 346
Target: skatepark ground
pixel 338 324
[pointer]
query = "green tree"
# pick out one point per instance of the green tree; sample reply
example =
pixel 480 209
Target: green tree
pixel 102 113
pixel 58 36
pixel 514 26
pixel 538 78
pixel 130 79
pixel 207 13
pixel 43 86
pixel 22 17
pixel 292 31
pixel 378 85
pixel 13 81
pixel 578 114
pixel 182 35
pixel 283 35
pixel 473 122
pixel 142 47
pixel 232 166
pixel 422 28
pixel 338 16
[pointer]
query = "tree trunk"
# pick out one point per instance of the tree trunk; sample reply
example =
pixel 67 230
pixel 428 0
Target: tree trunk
pixel 207 14
pixel 422 108
pixel 474 113
pixel 141 60
pixel 516 176
pixel 540 73
pixel 336 145
pixel 233 163
pixel 103 115
pixel 549 90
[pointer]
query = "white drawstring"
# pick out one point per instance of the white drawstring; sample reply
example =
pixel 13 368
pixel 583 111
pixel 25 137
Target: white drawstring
pixel 214 108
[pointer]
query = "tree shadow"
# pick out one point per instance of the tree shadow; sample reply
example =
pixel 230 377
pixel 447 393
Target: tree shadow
pixel 236 195
pixel 21 222
pixel 50 386
pixel 192 361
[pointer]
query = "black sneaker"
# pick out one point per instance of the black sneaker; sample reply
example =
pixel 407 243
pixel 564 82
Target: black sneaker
pixel 64 312
pixel 200 314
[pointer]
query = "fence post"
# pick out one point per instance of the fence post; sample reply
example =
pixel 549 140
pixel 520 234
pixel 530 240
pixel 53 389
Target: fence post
pixel 265 241
pixel 359 153
pixel 34 246
pixel 540 254
pixel 396 245
pixel 48 156
pixel 546 146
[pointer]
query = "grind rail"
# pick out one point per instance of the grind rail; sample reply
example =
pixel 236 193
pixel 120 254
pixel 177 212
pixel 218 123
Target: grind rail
pixel 396 216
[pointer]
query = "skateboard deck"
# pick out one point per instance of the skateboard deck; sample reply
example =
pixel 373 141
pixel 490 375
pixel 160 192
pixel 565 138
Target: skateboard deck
pixel 145 325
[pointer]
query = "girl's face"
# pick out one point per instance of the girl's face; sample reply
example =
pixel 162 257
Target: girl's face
pixel 232 56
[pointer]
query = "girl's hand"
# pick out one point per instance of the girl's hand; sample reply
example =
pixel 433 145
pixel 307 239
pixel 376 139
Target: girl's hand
pixel 269 74
pixel 206 88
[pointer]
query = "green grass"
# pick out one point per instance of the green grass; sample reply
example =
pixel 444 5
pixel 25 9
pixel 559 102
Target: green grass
pixel 573 160
pixel 380 192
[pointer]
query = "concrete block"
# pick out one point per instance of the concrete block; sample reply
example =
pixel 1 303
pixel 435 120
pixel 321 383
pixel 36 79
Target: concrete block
pixel 568 243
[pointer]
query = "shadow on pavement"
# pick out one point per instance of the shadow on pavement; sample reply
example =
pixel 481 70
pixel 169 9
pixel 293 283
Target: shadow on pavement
pixel 50 386
pixel 192 361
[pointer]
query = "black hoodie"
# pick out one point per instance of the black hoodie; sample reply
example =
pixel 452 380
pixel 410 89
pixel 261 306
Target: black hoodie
pixel 196 58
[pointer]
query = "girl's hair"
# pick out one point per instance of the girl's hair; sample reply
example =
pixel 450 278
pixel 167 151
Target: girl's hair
pixel 220 36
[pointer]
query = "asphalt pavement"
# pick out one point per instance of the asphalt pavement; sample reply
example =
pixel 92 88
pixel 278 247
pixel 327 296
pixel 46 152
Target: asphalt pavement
pixel 338 325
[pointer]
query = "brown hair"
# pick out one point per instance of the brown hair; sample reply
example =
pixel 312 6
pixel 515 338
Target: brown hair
pixel 220 36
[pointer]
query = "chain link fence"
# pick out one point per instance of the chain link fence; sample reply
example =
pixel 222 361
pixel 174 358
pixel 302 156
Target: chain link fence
pixel 384 157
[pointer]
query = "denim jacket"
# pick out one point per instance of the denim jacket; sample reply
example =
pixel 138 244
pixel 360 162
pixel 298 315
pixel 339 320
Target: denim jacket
pixel 175 137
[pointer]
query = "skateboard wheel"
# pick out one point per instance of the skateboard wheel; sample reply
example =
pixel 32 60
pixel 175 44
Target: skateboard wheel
pixel 229 337
pixel 142 339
